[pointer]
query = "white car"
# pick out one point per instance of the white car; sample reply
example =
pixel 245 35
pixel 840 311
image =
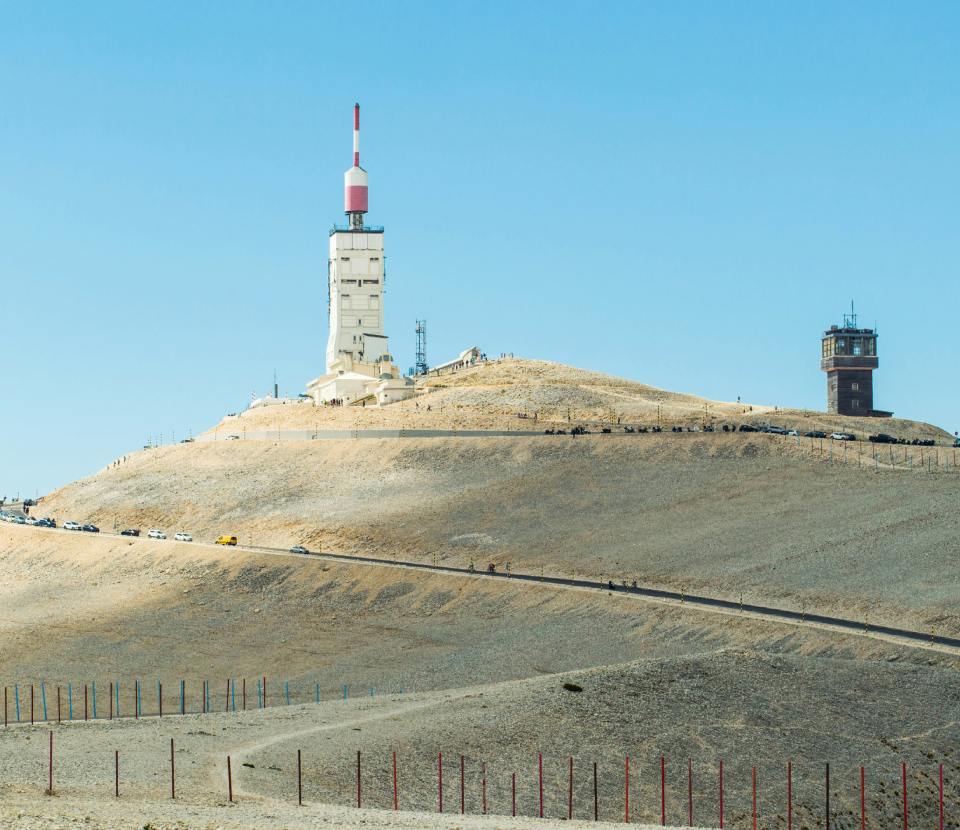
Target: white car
pixel 71 526
pixel 793 433
pixel 156 534
pixel 183 537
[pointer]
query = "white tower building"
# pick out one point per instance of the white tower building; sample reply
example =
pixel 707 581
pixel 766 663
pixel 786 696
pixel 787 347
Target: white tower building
pixel 359 365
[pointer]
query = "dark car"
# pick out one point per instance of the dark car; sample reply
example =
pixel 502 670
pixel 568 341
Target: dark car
pixel 90 528
pixel 46 523
pixel 882 438
pixel 815 434
pixel 298 549
pixel 28 502
pixel 130 531
pixel 748 428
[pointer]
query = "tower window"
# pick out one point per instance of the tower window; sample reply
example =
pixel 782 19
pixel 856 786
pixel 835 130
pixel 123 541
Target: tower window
pixel 855 403
pixel 855 387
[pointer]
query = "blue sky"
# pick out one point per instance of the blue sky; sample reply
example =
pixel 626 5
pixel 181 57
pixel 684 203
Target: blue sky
pixel 681 193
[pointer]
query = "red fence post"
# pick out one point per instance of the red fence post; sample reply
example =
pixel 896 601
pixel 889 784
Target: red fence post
pixel 513 794
pixel 904 768
pixel 396 795
pixel 626 791
pixel 299 779
pixel 570 792
pixel 5 692
pixel 721 794
pixel 358 752
pixel 663 791
pixel 244 694
pixel 463 790
pixel 84 701
pixel 689 792
pixel 440 782
pixel 116 773
pixel 159 698
pixel 173 773
pixel 31 704
pixel 229 781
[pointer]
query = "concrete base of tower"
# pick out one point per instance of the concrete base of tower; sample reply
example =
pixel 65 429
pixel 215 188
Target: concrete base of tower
pixel 352 383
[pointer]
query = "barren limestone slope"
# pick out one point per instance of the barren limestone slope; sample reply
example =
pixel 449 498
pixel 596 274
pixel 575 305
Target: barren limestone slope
pixel 719 514
pixel 495 395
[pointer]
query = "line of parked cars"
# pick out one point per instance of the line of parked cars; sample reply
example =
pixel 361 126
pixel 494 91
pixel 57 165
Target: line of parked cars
pixel 88 528
pixel 26 520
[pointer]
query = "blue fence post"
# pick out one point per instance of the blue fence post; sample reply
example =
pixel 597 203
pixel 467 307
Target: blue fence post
pixel 94 685
pixel 316 692
pixel 233 695
pixel 116 692
pixel 43 697
pixel 70 700
pixel 139 701
pixel 206 692
pixel 344 691
pixel 182 702
pixel 159 701
pixel 259 695
pixel 16 699
pixel 286 691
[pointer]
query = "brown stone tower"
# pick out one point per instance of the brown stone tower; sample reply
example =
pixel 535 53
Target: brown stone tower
pixel 849 356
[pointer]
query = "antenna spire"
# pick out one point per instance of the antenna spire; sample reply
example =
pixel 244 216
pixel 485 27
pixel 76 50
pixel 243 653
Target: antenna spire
pixel 356 135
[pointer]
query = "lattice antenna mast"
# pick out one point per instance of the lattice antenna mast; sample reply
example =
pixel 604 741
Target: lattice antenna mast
pixel 420 364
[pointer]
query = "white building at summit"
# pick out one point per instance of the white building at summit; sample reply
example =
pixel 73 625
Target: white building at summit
pixel 360 368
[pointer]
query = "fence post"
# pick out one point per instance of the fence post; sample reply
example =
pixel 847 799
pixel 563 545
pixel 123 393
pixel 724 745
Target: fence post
pixel 663 791
pixel 396 799
pixel 358 772
pixel 789 795
pixel 50 767
pixel 721 794
pixel 229 781
pixel 244 694
pixel 110 707
pixel 863 801
pixel 299 780
pixel 58 704
pixel 689 792
pixel 69 701
pixel 596 802
pixel 569 792
pixel 31 704
pixel 85 701
pixel 826 818
pixel 173 791
pixel 4 706
pixel 754 787
pixel 513 794
pixel 43 698
pixel 483 782
pixel 440 781
pixel 226 698
pixel 160 698
pixel 463 790
pixel 941 790
pixel 626 793
pixel 905 822
pixel 540 779
pixel 116 773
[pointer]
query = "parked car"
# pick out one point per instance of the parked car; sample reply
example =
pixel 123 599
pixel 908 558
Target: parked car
pixel 773 430
pixel 748 428
pixel 815 434
pixel 793 433
pixel 90 528
pixel 45 522
pixel 20 520
pixel 71 526
pixel 882 438
pixel 298 549
pixel 843 436
pixel 130 531
pixel 183 537
pixel 233 437
pixel 227 540
pixel 156 534
pixel 187 441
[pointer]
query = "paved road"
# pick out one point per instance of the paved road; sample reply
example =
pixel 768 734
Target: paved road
pixel 903 636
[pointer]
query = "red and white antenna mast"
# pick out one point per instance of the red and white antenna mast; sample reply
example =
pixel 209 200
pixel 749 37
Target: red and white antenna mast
pixel 355 180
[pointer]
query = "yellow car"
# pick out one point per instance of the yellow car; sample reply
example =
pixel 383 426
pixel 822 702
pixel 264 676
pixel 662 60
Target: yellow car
pixel 227 540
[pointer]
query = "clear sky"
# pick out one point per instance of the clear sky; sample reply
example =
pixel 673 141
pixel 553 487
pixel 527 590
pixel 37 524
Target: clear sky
pixel 685 194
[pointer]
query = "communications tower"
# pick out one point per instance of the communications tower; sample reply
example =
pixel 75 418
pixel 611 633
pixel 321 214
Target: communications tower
pixel 420 365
